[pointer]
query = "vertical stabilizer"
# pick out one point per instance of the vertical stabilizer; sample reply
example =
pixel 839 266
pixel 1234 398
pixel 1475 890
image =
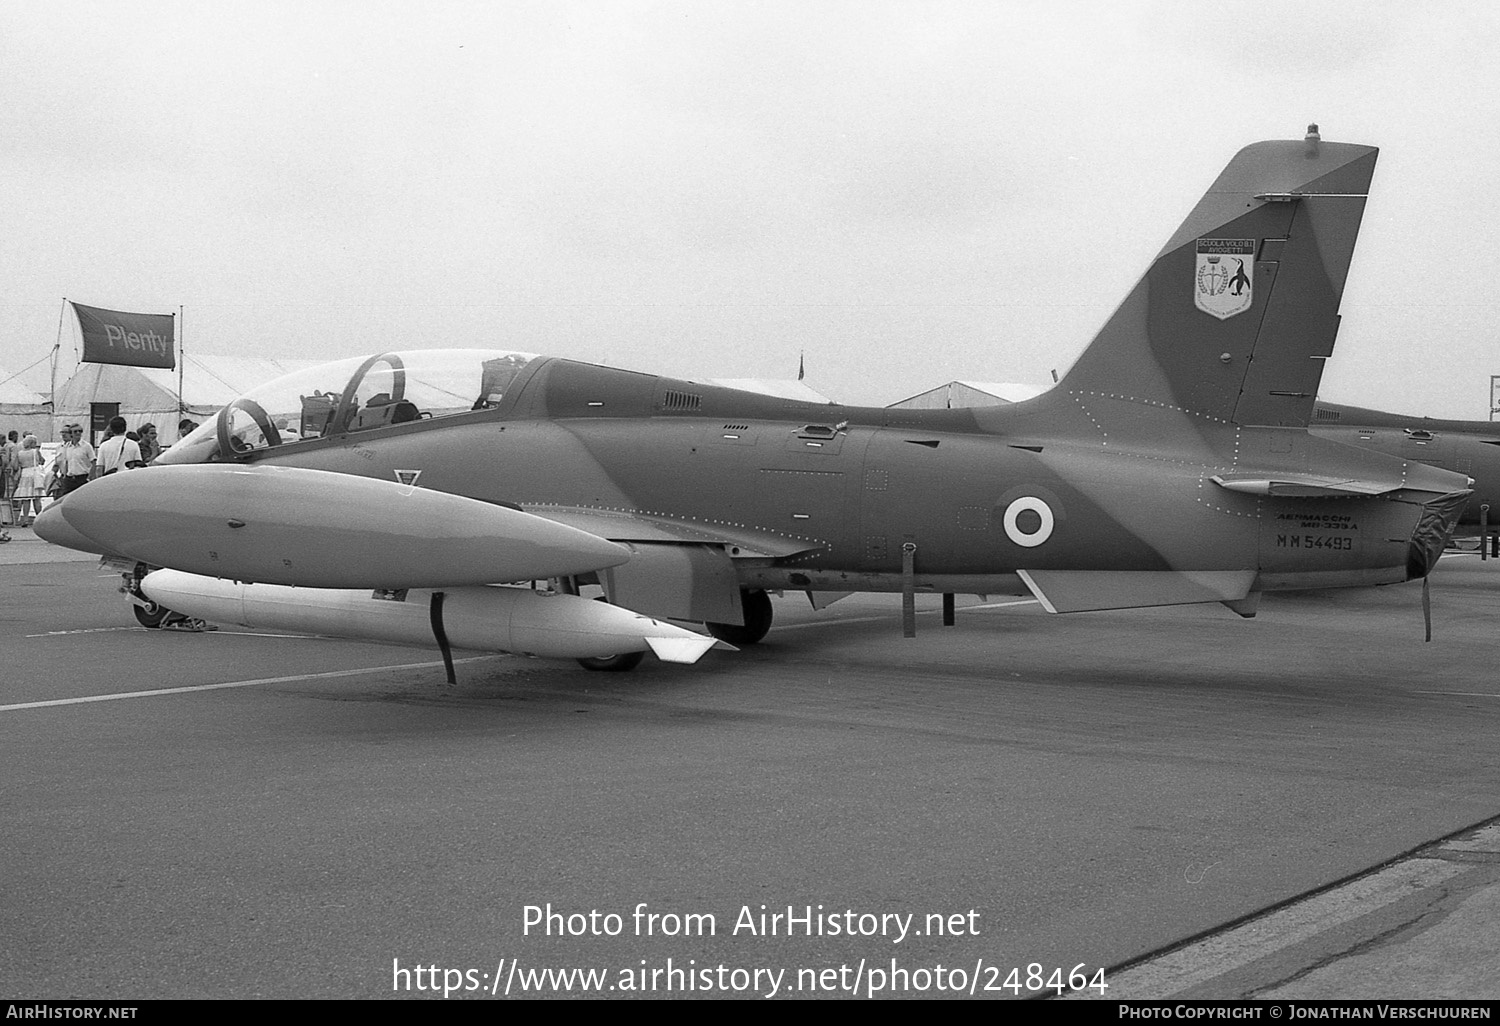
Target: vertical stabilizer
pixel 1238 312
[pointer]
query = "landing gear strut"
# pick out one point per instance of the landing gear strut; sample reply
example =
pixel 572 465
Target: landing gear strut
pixel 147 613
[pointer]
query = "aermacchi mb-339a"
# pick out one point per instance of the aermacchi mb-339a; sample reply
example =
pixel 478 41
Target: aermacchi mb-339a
pixel 465 496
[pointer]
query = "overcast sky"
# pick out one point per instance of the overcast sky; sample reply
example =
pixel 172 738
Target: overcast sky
pixel 909 192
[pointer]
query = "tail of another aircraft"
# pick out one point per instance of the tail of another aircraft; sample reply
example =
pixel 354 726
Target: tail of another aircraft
pixel 1238 312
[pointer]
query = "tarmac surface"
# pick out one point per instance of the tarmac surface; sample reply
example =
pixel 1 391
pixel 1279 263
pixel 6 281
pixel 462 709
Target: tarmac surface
pixel 1298 805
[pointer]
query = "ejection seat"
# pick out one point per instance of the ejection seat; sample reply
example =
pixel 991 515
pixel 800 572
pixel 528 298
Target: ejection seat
pixel 381 410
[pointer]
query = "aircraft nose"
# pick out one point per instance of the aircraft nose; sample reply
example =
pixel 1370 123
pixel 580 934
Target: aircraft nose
pixel 52 528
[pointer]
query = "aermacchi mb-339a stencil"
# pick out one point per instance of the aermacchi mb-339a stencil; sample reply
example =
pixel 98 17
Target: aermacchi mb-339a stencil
pixel 468 496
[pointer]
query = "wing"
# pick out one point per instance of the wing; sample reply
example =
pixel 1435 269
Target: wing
pixel 677 569
pixel 631 526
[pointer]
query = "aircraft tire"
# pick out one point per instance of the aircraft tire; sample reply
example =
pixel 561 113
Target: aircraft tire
pixel 757 625
pixel 622 663
pixel 150 615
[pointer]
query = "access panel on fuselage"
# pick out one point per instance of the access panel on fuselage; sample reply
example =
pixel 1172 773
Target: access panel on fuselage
pixel 807 484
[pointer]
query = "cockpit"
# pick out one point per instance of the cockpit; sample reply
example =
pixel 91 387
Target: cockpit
pixel 351 396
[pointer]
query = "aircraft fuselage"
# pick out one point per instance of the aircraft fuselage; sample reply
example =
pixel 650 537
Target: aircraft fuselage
pixel 834 493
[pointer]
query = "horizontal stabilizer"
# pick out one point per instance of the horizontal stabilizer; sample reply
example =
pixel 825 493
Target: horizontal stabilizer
pixel 1302 485
pixel 1077 591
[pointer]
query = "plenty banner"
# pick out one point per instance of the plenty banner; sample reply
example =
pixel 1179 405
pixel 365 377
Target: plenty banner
pixel 139 340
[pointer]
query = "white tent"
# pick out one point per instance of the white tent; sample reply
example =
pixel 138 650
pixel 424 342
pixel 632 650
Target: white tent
pixel 21 409
pixel 962 394
pixel 150 394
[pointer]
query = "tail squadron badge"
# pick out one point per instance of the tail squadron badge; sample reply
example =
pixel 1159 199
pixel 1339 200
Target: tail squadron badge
pixel 1223 281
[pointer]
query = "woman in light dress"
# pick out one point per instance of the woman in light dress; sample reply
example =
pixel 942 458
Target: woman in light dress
pixel 30 488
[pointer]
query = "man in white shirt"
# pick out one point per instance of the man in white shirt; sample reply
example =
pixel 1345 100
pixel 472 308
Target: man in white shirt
pixel 117 452
pixel 75 460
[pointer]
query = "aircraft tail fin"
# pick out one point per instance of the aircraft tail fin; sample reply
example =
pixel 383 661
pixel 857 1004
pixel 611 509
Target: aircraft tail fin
pixel 1236 315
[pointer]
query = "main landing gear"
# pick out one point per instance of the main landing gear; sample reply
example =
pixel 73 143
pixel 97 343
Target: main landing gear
pixel 758 614
pixel 757 606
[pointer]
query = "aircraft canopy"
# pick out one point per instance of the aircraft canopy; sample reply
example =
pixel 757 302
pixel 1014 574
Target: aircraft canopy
pixel 353 395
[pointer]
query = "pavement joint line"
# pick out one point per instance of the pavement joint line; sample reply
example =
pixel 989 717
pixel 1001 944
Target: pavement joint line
pixel 1461 694
pixel 84 630
pixel 217 632
pixel 1333 958
pixel 1186 967
pixel 1485 841
pixel 83 700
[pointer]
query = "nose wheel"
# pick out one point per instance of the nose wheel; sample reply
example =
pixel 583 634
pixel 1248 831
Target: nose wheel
pixel 147 613
pixel 150 614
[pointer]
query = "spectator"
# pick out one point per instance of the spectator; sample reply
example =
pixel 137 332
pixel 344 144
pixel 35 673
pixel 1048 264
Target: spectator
pixel 75 461
pixel 118 451
pixel 29 488
pixel 10 466
pixel 150 448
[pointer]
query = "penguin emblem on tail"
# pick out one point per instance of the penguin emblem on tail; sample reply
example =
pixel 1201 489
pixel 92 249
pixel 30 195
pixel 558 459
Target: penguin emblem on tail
pixel 1241 281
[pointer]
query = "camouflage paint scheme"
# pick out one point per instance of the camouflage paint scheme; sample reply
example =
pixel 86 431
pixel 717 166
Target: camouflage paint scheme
pixel 1172 464
pixel 1470 447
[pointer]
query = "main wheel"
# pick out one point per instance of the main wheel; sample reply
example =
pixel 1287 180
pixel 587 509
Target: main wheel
pixel 758 614
pixel 621 663
pixel 150 615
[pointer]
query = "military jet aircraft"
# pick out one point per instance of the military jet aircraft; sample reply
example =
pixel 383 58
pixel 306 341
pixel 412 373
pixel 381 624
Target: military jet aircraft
pixel 1470 447
pixel 431 494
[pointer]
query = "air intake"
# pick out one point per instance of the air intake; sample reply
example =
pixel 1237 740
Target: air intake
pixel 680 401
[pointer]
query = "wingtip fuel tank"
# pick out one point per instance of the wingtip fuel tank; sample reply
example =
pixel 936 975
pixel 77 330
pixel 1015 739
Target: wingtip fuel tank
pixel 482 619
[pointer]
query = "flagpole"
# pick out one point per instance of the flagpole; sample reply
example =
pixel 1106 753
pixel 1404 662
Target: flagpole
pixel 181 358
pixel 56 350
